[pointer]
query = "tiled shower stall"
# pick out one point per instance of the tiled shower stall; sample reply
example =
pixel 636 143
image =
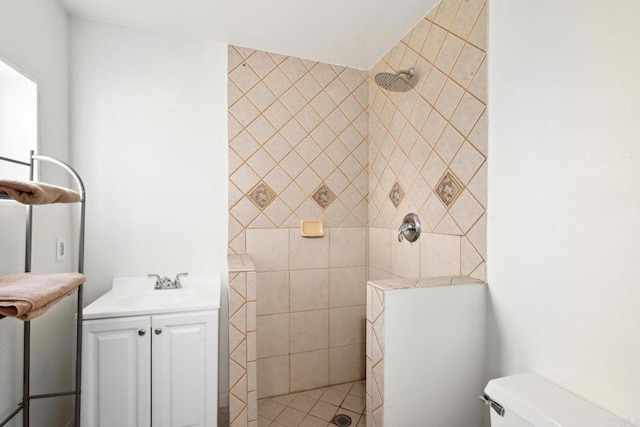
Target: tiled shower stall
pixel 309 140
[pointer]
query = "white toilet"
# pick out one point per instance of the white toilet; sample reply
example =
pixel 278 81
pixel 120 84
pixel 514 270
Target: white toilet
pixel 525 400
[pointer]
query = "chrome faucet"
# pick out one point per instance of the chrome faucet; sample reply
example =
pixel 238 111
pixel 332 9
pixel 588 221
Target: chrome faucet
pixel 177 281
pixel 404 228
pixel 410 228
pixel 167 283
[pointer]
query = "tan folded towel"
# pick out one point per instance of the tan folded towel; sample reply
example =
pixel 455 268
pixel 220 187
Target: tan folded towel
pixel 28 295
pixel 37 193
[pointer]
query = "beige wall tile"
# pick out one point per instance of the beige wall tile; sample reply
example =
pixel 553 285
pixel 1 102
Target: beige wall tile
pixel 478 136
pixel 347 247
pixel 380 248
pixel 466 17
pixel 273 376
pixel 478 85
pixel 375 274
pixel 347 325
pixel 347 286
pixel 432 44
pixel 346 363
pixel 449 143
pixel 467 162
pixel 447 12
pixel 309 331
pixel 308 252
pixel 309 289
pixel 309 370
pixel 470 259
pixel 449 52
pixel 467 113
pixel 466 211
pixel 269 248
pixel 252 376
pixel 467 64
pixel 252 346
pixel 272 335
pixel 403 258
pixel 273 292
pixel 449 97
pixel 478 34
pixel 440 255
pixel 478 236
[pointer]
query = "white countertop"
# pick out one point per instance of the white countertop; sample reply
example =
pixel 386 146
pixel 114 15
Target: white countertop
pixel 136 296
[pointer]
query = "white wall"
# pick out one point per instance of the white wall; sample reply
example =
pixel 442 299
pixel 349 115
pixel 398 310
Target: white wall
pixel 149 132
pixel 149 138
pixel 34 39
pixel 564 196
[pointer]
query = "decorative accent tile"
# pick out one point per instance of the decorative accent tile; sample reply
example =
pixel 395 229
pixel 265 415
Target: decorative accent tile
pixel 323 196
pixel 397 194
pixel 448 189
pixel 262 195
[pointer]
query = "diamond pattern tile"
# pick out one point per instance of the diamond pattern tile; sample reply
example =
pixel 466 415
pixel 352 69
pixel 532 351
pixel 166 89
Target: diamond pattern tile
pixel 262 195
pixel 375 355
pixel 448 189
pixel 324 196
pixel 294 119
pixel 438 128
pixel 396 195
pixel 242 396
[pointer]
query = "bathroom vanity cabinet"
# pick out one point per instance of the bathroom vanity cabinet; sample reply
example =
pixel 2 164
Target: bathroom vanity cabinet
pixel 150 357
pixel 158 370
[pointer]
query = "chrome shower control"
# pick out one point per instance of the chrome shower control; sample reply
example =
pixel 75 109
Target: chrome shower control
pixel 410 228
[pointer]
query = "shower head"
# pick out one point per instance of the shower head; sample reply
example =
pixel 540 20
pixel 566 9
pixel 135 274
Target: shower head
pixel 394 82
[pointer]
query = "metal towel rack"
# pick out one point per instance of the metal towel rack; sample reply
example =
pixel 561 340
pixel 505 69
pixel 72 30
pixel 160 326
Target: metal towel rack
pixel 24 405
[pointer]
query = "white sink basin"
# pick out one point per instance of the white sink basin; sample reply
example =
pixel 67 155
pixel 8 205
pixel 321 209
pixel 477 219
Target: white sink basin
pixel 163 298
pixel 133 296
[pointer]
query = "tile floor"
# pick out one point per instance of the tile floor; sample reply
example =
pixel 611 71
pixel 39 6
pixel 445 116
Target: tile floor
pixel 315 408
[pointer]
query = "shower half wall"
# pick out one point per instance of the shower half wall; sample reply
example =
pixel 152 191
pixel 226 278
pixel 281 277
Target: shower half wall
pixel 298 150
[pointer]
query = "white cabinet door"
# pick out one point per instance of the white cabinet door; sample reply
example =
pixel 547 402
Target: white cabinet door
pixel 116 378
pixel 185 366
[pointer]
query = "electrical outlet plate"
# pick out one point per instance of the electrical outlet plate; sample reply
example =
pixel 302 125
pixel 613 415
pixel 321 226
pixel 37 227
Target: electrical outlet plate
pixel 61 248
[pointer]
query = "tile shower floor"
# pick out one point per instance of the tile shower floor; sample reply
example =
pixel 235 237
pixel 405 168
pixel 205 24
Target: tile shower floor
pixel 315 408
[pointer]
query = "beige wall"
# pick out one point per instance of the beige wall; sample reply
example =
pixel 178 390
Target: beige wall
pixel 296 127
pixel 419 137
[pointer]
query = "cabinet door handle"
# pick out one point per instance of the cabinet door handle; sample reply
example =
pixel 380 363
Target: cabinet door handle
pixel 141 332
pixel 158 331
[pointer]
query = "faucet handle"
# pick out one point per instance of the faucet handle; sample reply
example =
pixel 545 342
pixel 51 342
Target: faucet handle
pixel 410 228
pixel 404 228
pixel 177 281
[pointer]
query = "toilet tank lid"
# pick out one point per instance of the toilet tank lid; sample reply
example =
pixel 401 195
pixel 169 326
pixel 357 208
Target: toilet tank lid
pixel 545 404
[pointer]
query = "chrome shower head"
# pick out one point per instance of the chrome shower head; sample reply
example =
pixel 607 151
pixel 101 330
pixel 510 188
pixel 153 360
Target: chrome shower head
pixel 394 82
